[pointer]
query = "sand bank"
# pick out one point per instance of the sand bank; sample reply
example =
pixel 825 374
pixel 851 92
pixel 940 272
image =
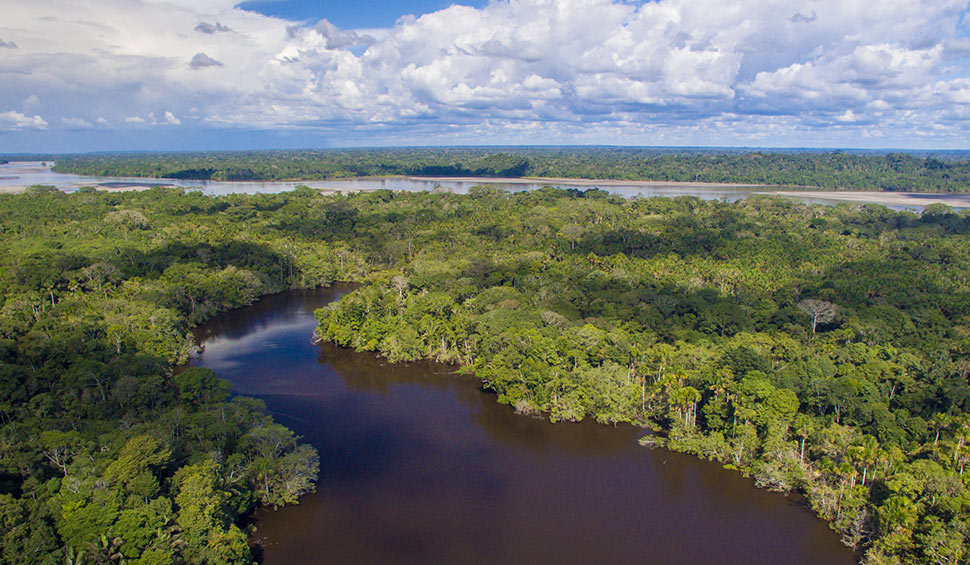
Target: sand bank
pixel 915 199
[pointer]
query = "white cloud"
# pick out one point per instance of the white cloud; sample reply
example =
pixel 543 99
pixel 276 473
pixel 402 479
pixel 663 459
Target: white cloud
pixel 13 120
pixel 169 120
pixel 76 123
pixel 31 103
pixel 847 117
pixel 622 71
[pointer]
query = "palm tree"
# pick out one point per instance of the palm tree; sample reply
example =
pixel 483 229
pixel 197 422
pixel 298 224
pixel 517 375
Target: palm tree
pixel 685 399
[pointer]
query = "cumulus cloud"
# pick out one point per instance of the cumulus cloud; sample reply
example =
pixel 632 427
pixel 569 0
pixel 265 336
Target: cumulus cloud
pixel 539 71
pixel 894 75
pixel 205 27
pixel 201 60
pixel 169 119
pixel 13 120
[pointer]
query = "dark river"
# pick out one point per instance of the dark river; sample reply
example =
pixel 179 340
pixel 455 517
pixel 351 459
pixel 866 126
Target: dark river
pixel 418 465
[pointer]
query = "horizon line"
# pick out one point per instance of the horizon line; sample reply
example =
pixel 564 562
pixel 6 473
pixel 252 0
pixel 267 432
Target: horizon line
pixel 726 148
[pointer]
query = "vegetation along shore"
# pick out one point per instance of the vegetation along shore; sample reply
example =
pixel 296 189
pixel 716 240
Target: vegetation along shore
pixel 817 349
pixel 788 168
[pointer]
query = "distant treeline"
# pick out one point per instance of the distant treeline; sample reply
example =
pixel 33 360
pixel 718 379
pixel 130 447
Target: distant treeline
pixel 834 169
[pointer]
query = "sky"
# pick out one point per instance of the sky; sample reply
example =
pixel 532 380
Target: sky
pixel 117 75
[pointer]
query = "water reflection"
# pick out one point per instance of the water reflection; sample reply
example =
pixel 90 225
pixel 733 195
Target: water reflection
pixel 419 465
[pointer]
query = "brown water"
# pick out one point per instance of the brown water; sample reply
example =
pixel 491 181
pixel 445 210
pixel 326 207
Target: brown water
pixel 418 465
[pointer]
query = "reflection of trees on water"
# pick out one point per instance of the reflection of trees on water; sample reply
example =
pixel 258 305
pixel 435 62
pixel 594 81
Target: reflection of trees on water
pixel 366 372
pixel 674 479
pixel 418 469
pixel 268 311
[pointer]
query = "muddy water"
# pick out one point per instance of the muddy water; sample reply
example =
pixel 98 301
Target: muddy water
pixel 420 466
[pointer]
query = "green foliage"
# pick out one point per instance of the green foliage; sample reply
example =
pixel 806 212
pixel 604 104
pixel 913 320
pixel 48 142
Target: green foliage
pixel 100 441
pixel 200 386
pixel 283 470
pixel 836 169
pixel 676 314
pixel 816 349
pixel 139 528
pixel 135 468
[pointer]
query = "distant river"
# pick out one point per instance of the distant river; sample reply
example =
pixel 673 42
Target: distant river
pixel 18 174
pixel 419 465
pixel 26 173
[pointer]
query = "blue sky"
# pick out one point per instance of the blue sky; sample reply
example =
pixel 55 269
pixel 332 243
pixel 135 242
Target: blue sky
pixel 357 14
pixel 91 75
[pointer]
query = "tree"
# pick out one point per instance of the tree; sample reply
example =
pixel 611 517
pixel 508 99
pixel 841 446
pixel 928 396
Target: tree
pixel 201 386
pixel 803 427
pixel 134 468
pixel 59 447
pixel 139 527
pixel 201 503
pixel 685 401
pixel 281 469
pixel 820 311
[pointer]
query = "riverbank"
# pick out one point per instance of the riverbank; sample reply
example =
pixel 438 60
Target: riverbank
pixel 414 457
pixel 136 186
pixel 16 177
pixel 906 199
pixel 594 183
pixel 126 188
pixel 355 184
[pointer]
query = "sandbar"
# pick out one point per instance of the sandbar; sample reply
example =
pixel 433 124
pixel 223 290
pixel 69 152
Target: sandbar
pixel 915 199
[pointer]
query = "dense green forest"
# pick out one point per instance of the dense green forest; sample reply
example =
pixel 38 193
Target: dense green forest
pixel 823 350
pixel 106 453
pixel 836 169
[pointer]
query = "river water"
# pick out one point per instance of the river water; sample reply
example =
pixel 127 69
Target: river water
pixel 18 174
pixel 26 173
pixel 419 465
